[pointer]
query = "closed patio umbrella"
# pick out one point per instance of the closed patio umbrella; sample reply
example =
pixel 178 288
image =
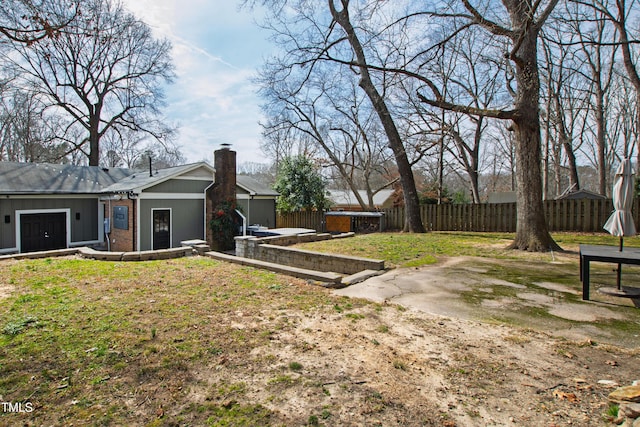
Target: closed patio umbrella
pixel 620 223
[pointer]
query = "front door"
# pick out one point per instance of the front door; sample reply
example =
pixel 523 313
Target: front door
pixel 43 231
pixel 161 229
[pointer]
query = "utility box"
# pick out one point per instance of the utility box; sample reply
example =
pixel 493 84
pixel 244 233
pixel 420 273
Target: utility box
pixel 121 217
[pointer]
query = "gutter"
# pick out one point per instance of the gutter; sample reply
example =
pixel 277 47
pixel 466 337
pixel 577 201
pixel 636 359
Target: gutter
pixel 204 216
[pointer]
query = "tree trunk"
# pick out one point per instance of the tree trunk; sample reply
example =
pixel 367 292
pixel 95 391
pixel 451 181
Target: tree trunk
pixel 574 180
pixel 94 137
pixel 565 140
pixel 411 202
pixel 600 138
pixel 629 64
pixel 532 233
pixel 475 161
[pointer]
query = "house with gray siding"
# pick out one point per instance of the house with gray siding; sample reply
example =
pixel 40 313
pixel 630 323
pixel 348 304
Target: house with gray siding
pixel 47 206
pixel 157 209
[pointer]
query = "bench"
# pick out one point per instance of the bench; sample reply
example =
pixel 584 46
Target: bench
pixel 610 254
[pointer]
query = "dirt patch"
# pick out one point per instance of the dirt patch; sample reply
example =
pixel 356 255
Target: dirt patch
pixel 577 312
pixel 553 365
pixel 393 367
pixel 5 291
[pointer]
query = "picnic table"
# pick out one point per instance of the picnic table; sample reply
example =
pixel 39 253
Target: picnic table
pixel 610 254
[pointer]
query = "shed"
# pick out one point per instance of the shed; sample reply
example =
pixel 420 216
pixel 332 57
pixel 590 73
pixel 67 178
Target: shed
pixel 580 194
pixel 502 197
pixel 359 222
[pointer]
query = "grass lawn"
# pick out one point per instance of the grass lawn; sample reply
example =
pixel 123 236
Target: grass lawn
pixel 414 250
pixel 95 342
pixel 175 342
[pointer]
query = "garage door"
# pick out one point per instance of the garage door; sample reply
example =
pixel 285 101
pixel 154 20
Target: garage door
pixel 43 231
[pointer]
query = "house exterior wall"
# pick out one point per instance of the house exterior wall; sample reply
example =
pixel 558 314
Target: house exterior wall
pixel 122 240
pixel 187 220
pixel 180 186
pixel 243 206
pixel 259 211
pixel 83 218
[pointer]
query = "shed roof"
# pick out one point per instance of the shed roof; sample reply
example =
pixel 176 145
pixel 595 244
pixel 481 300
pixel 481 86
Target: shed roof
pixel 348 198
pixel 46 178
pixel 580 194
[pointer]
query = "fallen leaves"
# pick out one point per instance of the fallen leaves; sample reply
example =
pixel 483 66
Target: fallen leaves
pixel 568 396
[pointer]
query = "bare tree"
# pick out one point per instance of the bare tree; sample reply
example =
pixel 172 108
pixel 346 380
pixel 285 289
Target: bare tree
pixel 328 110
pixel 526 19
pixel 26 135
pixel 520 36
pixel 566 96
pixel 620 20
pixel 623 111
pixel 29 21
pixel 104 72
pixel 594 46
pixel 342 17
pixel 311 35
pixel 502 161
pixel 469 76
pixel 618 13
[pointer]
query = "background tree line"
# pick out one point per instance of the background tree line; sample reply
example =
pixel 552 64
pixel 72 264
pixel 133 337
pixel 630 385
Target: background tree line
pixel 511 95
pixel 81 82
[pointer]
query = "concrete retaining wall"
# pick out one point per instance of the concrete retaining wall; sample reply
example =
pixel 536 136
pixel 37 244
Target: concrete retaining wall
pixel 136 256
pixel 90 253
pixel 269 249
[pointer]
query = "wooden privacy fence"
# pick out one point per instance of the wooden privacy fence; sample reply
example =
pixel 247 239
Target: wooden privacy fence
pixel 584 215
pixel 310 219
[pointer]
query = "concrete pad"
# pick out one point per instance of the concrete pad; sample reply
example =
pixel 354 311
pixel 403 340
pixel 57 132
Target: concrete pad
pixel 558 287
pixel 360 277
pixel 442 289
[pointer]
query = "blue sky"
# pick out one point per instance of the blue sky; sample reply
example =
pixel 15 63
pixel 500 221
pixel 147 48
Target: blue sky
pixel 216 51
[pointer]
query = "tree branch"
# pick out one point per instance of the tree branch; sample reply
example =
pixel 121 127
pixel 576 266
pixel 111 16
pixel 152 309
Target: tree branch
pixel 497 114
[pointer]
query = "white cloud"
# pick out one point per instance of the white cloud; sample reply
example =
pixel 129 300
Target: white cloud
pixel 216 50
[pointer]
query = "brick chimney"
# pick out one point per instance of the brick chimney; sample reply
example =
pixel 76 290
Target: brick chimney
pixel 224 187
